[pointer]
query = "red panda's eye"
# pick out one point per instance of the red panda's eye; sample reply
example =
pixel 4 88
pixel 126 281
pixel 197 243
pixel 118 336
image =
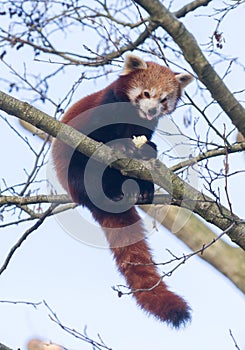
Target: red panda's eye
pixel 163 100
pixel 146 94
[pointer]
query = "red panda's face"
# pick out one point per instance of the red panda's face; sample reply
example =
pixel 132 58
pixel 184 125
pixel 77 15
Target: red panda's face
pixel 152 103
pixel 153 89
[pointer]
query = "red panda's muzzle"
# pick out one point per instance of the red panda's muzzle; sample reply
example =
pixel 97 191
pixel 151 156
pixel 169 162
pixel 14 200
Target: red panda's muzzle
pixel 151 114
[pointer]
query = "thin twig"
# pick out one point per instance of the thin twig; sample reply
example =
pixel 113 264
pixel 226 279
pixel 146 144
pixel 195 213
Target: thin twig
pixel 24 237
pixel 234 341
pixel 182 260
pixel 35 305
pixel 82 336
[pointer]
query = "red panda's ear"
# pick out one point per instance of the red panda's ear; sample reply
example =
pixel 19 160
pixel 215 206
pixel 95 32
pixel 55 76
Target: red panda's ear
pixel 184 79
pixel 133 63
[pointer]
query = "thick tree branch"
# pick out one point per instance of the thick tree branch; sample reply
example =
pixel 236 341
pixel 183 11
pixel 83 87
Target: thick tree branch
pixel 4 347
pixel 152 170
pixel 13 200
pixel 238 147
pixel 195 234
pixel 194 56
pixel 192 6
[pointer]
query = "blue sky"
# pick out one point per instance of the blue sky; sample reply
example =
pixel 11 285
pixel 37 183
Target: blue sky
pixel 75 279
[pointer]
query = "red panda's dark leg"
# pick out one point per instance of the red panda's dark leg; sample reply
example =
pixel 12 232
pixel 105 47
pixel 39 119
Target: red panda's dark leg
pixel 92 181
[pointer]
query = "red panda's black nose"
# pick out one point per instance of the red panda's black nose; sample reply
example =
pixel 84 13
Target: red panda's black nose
pixel 152 111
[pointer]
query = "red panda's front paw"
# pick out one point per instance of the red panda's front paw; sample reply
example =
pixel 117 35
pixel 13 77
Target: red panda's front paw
pixel 146 192
pixel 125 146
pixel 145 197
pixel 147 151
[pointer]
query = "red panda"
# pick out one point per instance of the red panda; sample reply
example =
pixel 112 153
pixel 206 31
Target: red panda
pixel 127 108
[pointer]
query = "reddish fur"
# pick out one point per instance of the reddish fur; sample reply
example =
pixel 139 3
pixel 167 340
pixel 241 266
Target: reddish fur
pixel 61 152
pixel 135 263
pixel 133 260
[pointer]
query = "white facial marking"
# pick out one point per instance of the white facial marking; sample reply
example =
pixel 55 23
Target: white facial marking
pixel 134 93
pixel 152 91
pixel 153 104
